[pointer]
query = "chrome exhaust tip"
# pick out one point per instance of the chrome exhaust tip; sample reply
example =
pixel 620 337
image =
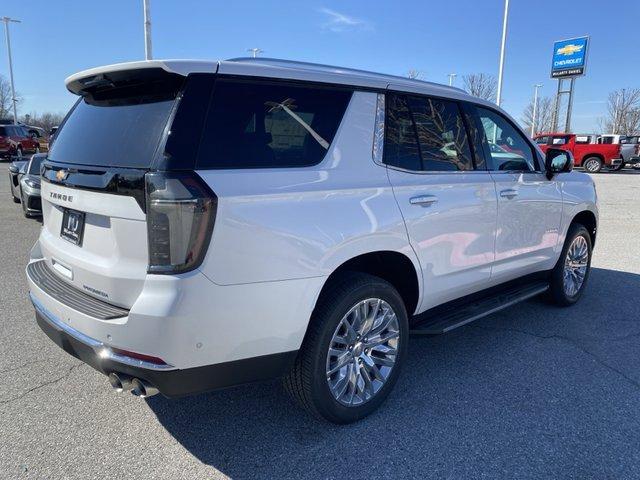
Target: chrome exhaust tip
pixel 120 382
pixel 142 389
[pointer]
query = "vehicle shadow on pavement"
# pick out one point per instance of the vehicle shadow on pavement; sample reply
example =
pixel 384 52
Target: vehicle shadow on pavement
pixel 534 391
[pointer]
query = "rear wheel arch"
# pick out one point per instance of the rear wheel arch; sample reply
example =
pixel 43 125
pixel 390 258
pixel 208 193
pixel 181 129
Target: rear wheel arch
pixel 394 267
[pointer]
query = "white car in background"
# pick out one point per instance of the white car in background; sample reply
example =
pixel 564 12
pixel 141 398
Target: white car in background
pixel 291 219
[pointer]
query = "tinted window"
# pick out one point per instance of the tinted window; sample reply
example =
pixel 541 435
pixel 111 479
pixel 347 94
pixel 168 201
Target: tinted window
pixel 513 152
pixel 3 131
pixel 258 125
pixel 442 136
pixel 606 140
pixel 119 127
pixel 400 145
pixel 34 165
pixel 542 140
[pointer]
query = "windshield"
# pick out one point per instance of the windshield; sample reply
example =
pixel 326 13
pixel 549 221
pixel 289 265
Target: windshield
pixel 34 165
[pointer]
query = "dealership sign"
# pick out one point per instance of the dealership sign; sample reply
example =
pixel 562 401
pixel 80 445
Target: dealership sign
pixel 569 57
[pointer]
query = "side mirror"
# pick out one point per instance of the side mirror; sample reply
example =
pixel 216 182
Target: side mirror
pixel 557 161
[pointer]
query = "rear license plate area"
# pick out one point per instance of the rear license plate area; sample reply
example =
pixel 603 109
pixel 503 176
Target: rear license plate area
pixel 72 228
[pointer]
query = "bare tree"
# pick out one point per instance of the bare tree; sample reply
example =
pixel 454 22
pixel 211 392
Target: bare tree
pixel 45 120
pixel 6 107
pixel 544 115
pixel 623 112
pixel 481 85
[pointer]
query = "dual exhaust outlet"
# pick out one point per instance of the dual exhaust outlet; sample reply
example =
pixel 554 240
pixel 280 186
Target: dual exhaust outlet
pixel 140 388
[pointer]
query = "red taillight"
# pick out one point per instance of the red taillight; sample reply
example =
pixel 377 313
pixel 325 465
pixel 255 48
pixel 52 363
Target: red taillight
pixel 181 211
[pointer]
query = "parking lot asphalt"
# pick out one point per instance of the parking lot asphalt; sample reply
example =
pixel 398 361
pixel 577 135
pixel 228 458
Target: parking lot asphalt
pixel 531 392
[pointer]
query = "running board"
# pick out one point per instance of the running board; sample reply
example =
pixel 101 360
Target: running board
pixel 443 319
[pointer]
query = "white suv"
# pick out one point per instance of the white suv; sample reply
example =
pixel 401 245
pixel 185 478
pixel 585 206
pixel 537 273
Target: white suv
pixel 208 224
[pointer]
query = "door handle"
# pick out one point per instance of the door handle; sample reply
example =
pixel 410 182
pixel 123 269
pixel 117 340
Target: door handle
pixel 509 193
pixel 424 200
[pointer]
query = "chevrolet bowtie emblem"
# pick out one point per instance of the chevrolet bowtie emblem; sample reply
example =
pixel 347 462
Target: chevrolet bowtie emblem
pixel 62 175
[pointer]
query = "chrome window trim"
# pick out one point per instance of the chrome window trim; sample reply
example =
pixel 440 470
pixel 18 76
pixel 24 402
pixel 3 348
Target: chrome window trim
pixel 438 172
pixel 377 150
pixel 102 350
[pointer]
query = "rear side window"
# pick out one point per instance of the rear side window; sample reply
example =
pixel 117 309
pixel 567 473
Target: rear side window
pixel 269 124
pixel 442 136
pixel 401 145
pixel 426 134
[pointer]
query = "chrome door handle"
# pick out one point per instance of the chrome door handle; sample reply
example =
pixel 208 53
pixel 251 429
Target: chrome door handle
pixel 424 200
pixel 509 193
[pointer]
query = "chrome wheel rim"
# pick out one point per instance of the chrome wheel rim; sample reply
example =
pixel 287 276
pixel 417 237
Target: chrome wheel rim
pixel 575 266
pixel 592 165
pixel 362 352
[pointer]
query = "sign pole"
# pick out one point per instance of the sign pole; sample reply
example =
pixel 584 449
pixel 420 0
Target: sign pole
pixel 567 127
pixel 556 108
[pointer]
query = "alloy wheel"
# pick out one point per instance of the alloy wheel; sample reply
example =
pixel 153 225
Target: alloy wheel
pixel 362 352
pixel 575 266
pixel 592 165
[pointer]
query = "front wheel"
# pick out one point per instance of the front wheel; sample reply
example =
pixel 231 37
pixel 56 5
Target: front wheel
pixel 592 164
pixel 355 345
pixel 570 275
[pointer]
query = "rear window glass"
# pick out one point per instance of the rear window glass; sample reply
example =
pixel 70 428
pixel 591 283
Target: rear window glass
pixel 269 124
pixel 117 126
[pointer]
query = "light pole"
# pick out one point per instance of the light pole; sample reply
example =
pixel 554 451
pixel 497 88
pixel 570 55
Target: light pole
pixel 535 108
pixel 255 51
pixel 502 48
pixel 452 76
pixel 148 54
pixel 6 21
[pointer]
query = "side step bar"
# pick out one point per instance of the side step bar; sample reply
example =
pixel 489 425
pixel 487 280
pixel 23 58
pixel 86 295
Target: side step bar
pixel 445 318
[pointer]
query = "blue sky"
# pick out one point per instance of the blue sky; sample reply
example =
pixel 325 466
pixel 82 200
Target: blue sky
pixel 56 39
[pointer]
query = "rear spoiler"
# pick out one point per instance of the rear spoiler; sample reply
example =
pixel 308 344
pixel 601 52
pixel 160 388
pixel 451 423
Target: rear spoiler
pixel 110 75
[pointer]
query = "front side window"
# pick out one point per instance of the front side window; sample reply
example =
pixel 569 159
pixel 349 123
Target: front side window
pixel 508 148
pixel 442 136
pixel 271 124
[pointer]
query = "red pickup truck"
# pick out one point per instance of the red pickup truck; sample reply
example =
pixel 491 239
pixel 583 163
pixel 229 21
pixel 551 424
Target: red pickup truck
pixel 591 156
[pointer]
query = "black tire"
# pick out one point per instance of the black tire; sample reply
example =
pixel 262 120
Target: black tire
pixel 557 291
pixel 617 168
pixel 307 381
pixel 592 164
pixel 15 199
